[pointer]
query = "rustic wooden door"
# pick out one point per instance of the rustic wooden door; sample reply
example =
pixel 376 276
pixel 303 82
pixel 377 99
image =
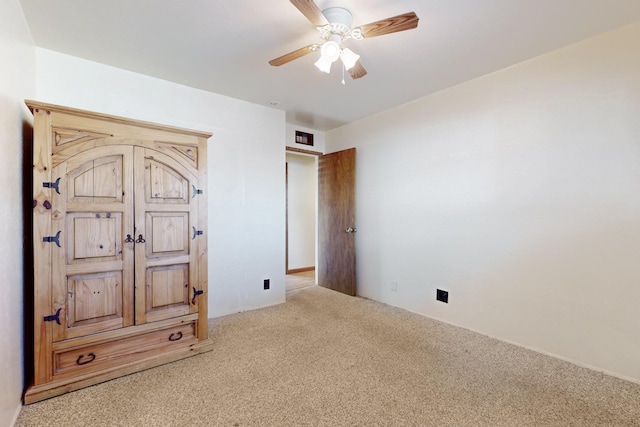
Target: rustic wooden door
pixel 336 221
pixel 126 240
pixel 92 266
pixel 167 237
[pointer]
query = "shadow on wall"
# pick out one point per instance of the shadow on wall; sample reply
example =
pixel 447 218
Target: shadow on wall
pixel 27 245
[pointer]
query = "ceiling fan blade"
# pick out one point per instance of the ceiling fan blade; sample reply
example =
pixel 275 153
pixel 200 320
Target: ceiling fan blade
pixel 406 21
pixel 298 53
pixel 357 71
pixel 311 11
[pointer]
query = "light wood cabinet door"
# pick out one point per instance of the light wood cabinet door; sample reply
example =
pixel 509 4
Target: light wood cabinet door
pixel 128 218
pixel 167 238
pixel 92 265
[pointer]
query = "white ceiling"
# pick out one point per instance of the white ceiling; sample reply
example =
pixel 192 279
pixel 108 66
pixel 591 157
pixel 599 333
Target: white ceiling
pixel 224 46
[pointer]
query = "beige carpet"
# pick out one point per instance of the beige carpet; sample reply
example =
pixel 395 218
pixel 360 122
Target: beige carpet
pixel 324 359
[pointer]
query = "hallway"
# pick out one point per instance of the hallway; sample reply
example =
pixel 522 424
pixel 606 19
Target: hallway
pixel 300 280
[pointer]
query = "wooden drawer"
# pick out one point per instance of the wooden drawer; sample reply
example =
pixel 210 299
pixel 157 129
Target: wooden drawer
pixel 104 355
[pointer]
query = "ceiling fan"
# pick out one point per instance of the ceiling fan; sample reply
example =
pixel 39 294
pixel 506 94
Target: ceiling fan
pixel 334 26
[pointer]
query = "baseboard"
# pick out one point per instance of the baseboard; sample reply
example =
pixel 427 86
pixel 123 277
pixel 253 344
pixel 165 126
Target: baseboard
pixel 300 270
pixel 530 348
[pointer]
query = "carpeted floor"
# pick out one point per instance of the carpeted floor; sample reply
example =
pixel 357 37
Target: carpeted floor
pixel 325 359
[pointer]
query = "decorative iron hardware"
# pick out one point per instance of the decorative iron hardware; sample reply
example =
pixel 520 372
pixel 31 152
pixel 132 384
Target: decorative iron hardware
pixel 195 191
pixel 196 293
pixel 140 239
pixel 54 185
pixel 175 337
pixel 196 233
pixel 90 358
pixel 53 239
pixel 129 239
pixel 53 317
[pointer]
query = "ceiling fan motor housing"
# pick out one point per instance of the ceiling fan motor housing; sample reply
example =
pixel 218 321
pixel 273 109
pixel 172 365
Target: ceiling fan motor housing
pixel 340 20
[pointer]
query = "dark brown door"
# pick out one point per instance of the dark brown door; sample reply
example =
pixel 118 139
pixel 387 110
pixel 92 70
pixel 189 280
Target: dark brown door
pixel 336 221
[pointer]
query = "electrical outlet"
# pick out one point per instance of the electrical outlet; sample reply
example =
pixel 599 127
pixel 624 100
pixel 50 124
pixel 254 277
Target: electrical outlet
pixel 394 286
pixel 266 284
pixel 442 296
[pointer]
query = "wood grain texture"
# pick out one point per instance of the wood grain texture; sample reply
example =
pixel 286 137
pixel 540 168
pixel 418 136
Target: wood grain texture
pixel 111 353
pixel 357 71
pixel 114 125
pixel 406 21
pixel 165 216
pixel 336 213
pixel 117 178
pixel 92 240
pixel 311 11
pixel 301 150
pixel 199 246
pixel 78 381
pixel 42 251
pixel 298 53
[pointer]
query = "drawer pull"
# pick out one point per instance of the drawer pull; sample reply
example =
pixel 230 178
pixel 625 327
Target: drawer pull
pixel 90 358
pixel 175 337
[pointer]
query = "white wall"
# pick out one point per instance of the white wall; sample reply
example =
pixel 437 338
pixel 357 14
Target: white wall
pixel 17 82
pixel 301 201
pixel 245 161
pixel 519 193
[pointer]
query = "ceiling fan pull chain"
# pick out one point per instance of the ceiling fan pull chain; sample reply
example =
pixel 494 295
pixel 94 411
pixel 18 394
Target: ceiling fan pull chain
pixel 343 67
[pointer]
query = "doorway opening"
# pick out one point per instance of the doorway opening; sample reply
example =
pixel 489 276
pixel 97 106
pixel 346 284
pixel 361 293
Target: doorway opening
pixel 301 219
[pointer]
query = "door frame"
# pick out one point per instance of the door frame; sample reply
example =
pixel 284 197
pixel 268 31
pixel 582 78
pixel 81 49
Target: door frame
pixel 316 154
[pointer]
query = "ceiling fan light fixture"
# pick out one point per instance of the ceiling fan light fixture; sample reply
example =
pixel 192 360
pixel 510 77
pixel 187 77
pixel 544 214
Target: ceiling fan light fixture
pixel 330 50
pixel 334 27
pixel 323 64
pixel 329 53
pixel 349 58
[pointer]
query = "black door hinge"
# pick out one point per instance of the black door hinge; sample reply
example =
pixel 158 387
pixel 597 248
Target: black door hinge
pixel 53 317
pixel 195 294
pixel 195 191
pixel 196 233
pixel 53 239
pixel 54 185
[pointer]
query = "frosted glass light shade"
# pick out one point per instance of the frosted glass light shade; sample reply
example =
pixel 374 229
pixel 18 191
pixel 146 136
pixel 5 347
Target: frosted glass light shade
pixel 323 64
pixel 329 53
pixel 349 58
pixel 330 50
